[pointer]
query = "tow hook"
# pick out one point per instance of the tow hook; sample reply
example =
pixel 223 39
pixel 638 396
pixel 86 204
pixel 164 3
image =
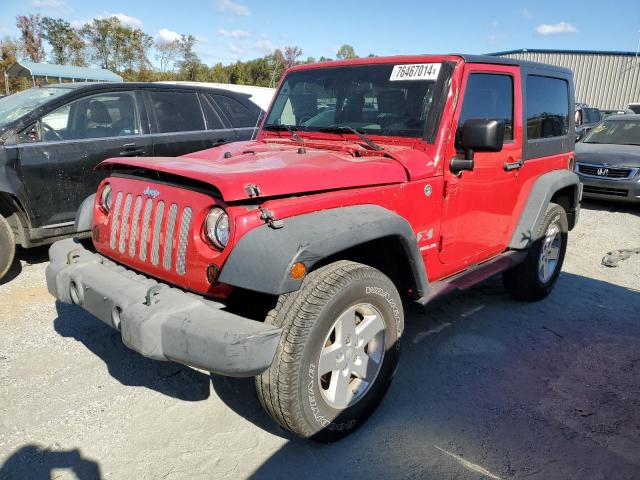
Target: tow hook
pixel 269 219
pixel 152 293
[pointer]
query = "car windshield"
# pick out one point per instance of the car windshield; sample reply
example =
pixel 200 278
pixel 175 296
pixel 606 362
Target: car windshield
pixel 390 100
pixel 619 132
pixel 15 106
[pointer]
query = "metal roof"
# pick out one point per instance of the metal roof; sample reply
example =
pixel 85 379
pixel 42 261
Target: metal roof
pixel 30 69
pixel 570 52
pixel 605 80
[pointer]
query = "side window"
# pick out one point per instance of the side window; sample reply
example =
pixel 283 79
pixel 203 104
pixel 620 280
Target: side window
pixel 489 95
pixel 111 114
pixel 177 111
pixel 214 122
pixel 547 104
pixel 238 114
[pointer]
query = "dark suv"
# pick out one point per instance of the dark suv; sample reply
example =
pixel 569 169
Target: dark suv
pixel 52 137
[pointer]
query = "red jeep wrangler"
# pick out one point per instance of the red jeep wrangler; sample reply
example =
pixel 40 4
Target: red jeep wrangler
pixel 370 181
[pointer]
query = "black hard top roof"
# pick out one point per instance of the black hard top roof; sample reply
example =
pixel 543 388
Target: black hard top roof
pixel 513 61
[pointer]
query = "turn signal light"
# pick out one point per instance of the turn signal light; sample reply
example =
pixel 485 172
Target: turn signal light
pixel 298 271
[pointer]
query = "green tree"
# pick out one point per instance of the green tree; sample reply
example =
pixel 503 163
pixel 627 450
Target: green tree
pixel 118 47
pixel 31 34
pixel 346 52
pixel 9 50
pixel 189 64
pixel 291 55
pixel 67 47
pixel 167 54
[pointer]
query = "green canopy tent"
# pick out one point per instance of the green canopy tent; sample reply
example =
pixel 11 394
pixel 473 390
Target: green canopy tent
pixel 58 73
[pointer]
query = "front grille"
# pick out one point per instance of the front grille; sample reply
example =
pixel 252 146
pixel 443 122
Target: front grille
pixel 149 233
pixel 605 172
pixel 618 192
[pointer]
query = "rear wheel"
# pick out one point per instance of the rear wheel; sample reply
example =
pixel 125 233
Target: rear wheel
pixel 7 247
pixel 338 352
pixel 534 278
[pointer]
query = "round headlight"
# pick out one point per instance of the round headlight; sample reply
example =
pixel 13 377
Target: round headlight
pixel 106 198
pixel 216 227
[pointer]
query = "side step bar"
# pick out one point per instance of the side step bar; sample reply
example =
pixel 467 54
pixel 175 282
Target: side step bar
pixel 474 275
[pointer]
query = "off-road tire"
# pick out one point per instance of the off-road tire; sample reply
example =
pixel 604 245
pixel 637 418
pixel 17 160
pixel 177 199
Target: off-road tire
pixel 523 281
pixel 289 390
pixel 7 247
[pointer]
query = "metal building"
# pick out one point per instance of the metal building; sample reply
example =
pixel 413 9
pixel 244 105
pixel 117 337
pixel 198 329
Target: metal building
pixel 58 73
pixel 605 80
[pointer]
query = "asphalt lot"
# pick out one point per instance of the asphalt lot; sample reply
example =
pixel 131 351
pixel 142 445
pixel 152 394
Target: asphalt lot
pixel 487 388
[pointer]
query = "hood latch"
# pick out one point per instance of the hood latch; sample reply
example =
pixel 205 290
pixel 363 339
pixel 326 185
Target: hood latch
pixel 269 219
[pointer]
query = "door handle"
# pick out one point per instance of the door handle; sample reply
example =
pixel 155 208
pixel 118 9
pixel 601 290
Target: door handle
pixel 130 150
pixel 137 152
pixel 509 166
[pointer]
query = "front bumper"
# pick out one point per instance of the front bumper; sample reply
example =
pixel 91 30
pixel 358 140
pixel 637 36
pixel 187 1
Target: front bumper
pixel 159 321
pixel 627 190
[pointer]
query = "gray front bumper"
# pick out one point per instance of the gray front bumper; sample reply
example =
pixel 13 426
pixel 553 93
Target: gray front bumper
pixel 158 321
pixel 627 190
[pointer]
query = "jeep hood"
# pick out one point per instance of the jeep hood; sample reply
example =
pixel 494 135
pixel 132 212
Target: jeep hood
pixel 626 156
pixel 275 169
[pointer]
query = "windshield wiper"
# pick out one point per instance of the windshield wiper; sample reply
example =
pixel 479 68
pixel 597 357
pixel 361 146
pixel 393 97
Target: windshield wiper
pixel 345 129
pixel 288 128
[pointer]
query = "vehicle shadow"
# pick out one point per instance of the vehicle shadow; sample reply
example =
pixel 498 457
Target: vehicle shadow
pixel 489 387
pixel 40 463
pixel 30 256
pixel 608 206
pixel 125 365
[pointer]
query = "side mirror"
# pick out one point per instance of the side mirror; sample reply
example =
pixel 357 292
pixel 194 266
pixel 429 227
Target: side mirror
pixel 477 135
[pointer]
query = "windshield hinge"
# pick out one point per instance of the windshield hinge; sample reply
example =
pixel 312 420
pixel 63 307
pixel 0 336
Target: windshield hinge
pixel 252 190
pixel 269 219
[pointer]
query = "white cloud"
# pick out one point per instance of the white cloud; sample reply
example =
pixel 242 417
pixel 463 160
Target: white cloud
pixel 235 49
pixel 264 46
pixel 51 5
pixel 238 34
pixel 233 7
pixel 127 20
pixel 555 29
pixel 167 36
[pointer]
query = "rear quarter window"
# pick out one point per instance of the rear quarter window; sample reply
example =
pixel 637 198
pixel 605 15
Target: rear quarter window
pixel 177 111
pixel 236 112
pixel 547 105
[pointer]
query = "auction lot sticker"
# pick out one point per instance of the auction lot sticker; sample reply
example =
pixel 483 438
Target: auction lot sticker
pixel 415 71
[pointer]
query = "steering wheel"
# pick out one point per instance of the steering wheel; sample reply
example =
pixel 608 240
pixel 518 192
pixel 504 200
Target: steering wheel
pixel 49 129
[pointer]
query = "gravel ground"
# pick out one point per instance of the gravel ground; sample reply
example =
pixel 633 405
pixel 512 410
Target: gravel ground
pixel 487 388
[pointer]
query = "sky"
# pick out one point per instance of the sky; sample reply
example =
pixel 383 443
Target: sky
pixel 230 30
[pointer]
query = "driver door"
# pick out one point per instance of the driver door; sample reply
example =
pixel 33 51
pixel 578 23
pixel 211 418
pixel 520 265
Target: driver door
pixel 59 169
pixel 478 204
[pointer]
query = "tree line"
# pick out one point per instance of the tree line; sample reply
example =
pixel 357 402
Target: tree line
pixel 135 55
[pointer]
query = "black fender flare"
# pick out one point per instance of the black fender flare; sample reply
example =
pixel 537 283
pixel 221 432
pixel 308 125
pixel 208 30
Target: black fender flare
pixel 263 257
pixel 543 190
pixel 84 216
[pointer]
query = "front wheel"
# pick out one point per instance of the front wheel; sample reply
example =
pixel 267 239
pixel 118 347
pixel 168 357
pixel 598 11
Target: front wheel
pixel 534 278
pixel 7 247
pixel 338 353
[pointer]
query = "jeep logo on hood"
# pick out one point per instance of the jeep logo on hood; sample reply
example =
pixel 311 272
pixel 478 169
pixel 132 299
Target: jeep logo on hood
pixel 151 193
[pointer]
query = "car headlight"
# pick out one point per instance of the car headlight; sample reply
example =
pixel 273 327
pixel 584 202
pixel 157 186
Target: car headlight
pixel 106 198
pixel 216 227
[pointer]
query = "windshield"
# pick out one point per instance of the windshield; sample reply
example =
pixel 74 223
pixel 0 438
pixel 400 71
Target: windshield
pixel 19 104
pixel 391 100
pixel 619 132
